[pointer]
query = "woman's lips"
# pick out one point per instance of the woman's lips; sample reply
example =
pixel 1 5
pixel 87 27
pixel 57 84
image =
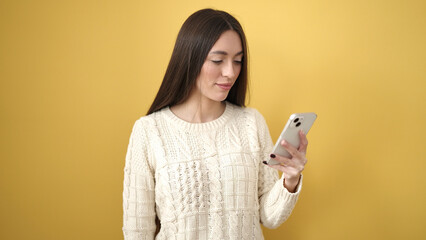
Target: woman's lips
pixel 224 86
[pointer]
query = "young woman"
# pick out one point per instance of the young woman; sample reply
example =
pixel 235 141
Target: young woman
pixel 195 164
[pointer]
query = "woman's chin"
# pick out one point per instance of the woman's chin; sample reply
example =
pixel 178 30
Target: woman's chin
pixel 222 98
pixel 219 97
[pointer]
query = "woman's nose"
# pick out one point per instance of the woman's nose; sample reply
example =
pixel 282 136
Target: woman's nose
pixel 229 70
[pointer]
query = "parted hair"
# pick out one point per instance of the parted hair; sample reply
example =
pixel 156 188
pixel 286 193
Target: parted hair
pixel 196 37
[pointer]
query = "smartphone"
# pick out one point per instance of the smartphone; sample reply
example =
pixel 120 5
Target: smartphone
pixel 290 133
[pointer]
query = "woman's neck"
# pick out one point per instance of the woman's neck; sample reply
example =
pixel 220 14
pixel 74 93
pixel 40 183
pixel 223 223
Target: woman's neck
pixel 199 110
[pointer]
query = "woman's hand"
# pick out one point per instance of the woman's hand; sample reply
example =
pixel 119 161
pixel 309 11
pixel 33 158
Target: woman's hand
pixel 292 167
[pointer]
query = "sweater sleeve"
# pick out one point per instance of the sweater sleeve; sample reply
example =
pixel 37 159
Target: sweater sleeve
pixel 276 202
pixel 138 189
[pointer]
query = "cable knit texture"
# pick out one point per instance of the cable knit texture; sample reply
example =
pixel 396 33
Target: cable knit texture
pixel 202 180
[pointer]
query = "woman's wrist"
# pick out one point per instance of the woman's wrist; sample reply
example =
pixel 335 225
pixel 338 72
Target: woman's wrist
pixel 291 183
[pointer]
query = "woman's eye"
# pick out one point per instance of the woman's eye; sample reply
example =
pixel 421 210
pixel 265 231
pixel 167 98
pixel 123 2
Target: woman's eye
pixel 217 61
pixel 238 61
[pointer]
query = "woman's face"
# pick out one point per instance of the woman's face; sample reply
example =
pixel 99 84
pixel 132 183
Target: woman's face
pixel 221 68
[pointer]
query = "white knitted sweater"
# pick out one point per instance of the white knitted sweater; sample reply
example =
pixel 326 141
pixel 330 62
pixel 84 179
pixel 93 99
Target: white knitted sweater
pixel 202 180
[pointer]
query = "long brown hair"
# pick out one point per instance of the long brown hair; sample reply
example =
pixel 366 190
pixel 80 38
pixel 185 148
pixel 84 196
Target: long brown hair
pixel 194 41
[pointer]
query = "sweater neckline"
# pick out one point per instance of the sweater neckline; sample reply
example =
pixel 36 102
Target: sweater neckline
pixel 211 125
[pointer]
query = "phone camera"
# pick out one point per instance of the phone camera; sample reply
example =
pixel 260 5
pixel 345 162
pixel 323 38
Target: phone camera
pixel 298 124
pixel 296 120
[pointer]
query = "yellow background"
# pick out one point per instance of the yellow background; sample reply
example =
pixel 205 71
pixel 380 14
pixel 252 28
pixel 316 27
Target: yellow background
pixel 75 75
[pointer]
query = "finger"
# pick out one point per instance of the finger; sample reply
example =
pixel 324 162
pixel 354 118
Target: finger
pixel 290 148
pixel 303 142
pixel 278 167
pixel 282 160
pixel 284 168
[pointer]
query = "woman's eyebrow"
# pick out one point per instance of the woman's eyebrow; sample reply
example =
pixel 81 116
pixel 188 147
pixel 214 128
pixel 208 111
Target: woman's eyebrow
pixel 225 53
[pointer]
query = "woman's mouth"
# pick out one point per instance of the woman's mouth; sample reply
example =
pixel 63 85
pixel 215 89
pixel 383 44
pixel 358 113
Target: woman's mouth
pixel 224 86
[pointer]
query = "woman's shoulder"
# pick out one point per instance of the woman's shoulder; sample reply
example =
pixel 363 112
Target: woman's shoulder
pixel 247 113
pixel 149 121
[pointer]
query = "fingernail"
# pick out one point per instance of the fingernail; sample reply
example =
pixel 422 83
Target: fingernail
pixel 283 142
pixel 272 155
pixel 264 162
pixel 302 132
